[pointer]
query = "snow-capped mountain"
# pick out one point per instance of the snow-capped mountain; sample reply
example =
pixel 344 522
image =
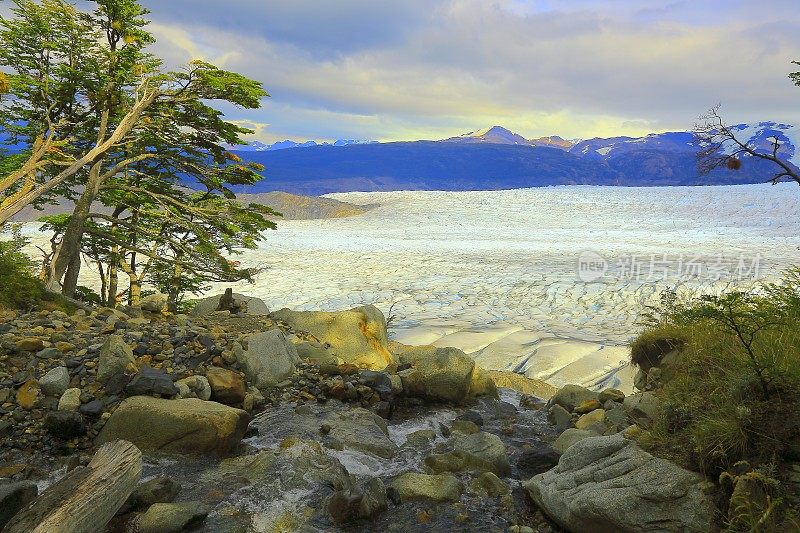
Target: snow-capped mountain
pixel 501 135
pixel 758 136
pixel 257 146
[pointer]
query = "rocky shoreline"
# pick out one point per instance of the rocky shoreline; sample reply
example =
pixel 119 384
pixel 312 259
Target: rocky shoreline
pixel 246 420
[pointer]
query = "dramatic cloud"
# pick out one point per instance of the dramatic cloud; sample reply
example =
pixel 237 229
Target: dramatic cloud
pixel 383 69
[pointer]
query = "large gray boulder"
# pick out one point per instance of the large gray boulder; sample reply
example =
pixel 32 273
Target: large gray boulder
pixel 610 485
pixel 269 358
pixel 116 358
pixel 356 336
pixel 643 407
pixel 154 303
pixel 189 426
pixel 444 374
pixel 247 305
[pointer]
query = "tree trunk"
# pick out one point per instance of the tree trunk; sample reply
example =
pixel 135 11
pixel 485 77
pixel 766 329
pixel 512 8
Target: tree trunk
pixel 88 497
pixel 113 281
pixel 64 257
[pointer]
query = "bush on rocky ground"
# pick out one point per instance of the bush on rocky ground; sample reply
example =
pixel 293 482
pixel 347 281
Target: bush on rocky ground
pixel 726 369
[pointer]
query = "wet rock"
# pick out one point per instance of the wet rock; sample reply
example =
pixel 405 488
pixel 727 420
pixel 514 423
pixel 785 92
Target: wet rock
pixel 373 500
pixel 188 426
pixel 481 452
pixel 342 506
pixel 70 400
pixel 116 359
pixel 227 386
pixel 151 381
pixel 472 416
pixel 269 358
pixel 464 426
pixel 172 517
pixel 65 424
pixel 441 487
pixel 49 353
pixel 536 459
pixel 157 490
pixel 488 484
pixel 14 496
pixel 420 437
pixel 608 484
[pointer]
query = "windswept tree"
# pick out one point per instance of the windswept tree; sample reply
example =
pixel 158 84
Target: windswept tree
pixel 721 147
pixel 109 125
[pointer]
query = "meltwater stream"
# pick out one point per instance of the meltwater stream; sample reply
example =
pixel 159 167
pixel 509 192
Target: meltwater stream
pixel 280 483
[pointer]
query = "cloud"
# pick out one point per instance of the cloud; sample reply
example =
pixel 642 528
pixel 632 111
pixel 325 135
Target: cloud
pixel 390 70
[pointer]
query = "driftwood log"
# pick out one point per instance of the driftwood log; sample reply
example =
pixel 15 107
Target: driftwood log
pixel 88 497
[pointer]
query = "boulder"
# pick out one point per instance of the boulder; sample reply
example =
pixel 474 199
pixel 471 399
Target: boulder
pixel 30 344
pixel 523 384
pixel 194 387
pixel 442 374
pixel 439 488
pixel 157 490
pixel 488 484
pixel 172 517
pixel 70 400
pixel 154 303
pixel 151 381
pixel 610 485
pixel 643 407
pixel 480 452
pixel 570 437
pixel 116 358
pixel 615 395
pixel 559 417
pixel 13 497
pixel 357 336
pixel 592 420
pixel 189 426
pixel 246 304
pixel 227 386
pixel 569 396
pixel 55 382
pixel 269 358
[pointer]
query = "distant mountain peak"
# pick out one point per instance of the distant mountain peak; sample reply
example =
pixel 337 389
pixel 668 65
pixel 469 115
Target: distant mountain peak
pixel 501 135
pixel 258 146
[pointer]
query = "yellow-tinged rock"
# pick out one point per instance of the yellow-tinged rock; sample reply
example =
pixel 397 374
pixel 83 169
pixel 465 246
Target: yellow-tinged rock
pixel 30 344
pixel 64 347
pixel 587 406
pixel 598 416
pixel 28 393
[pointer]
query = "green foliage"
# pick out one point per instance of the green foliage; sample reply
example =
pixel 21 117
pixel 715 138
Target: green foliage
pixel 19 288
pixel 733 391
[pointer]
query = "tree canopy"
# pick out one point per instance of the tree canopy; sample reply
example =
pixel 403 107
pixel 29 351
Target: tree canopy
pixel 142 150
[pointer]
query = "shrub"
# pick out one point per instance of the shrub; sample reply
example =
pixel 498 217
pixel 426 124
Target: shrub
pixel 19 287
pixel 733 390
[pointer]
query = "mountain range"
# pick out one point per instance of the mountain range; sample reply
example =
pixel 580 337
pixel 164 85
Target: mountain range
pixel 496 158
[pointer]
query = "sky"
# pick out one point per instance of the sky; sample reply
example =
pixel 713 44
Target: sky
pixel 430 69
